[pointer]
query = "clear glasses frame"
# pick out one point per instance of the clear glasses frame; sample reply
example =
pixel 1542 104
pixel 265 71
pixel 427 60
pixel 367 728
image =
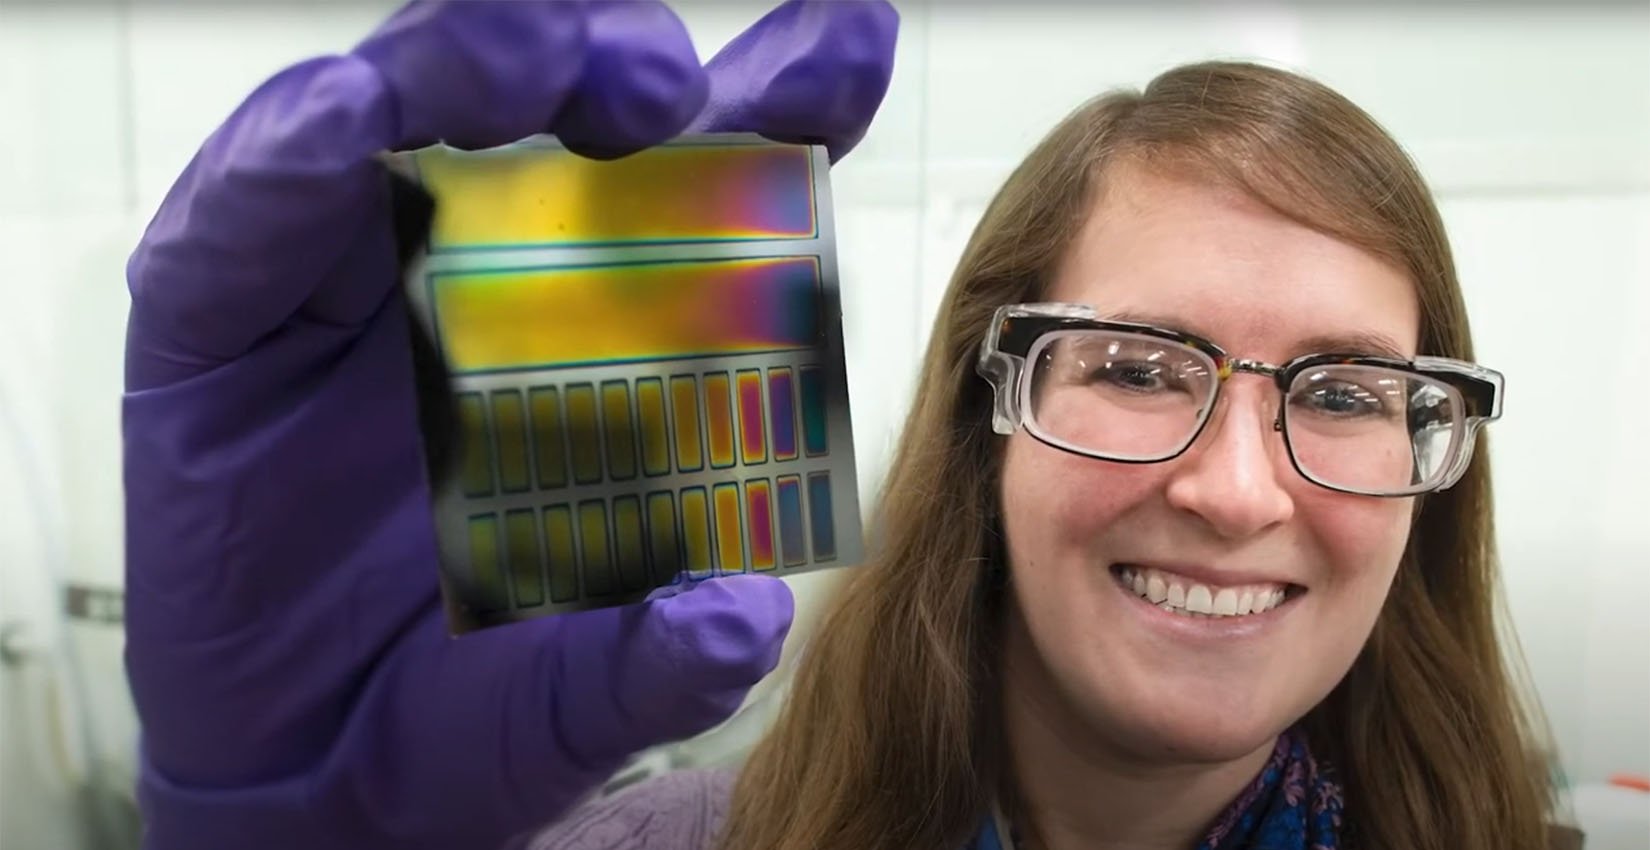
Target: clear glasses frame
pixel 1016 329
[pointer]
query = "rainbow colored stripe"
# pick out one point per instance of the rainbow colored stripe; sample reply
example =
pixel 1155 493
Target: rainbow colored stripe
pixel 526 196
pixel 577 316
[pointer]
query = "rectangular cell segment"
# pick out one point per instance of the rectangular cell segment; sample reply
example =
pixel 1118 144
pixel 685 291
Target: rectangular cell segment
pixel 599 577
pixel 696 531
pixel 792 531
pixel 478 445
pixel 684 416
pixel 584 433
pixel 719 419
pixel 822 521
pixel 486 568
pixel 753 444
pixel 619 429
pixel 528 195
pixel 759 521
pixel 730 542
pixel 630 542
pixel 549 437
pixel 664 547
pixel 654 426
pixel 814 421
pixel 640 312
pixel 521 533
pixel 510 427
pixel 563 556
pixel 782 409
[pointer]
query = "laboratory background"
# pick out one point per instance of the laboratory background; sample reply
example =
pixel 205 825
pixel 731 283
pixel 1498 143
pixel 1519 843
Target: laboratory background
pixel 1530 120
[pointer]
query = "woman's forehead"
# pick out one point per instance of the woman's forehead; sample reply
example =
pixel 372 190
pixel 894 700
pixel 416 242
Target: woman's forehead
pixel 1208 260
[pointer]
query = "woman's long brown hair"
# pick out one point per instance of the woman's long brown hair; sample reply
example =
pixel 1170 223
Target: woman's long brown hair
pixel 890 736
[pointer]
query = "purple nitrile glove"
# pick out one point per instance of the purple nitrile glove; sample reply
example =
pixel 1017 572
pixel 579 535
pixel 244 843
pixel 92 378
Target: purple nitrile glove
pixel 289 658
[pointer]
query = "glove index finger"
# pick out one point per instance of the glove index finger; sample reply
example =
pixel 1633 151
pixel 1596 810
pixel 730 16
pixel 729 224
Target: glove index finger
pixel 478 73
pixel 287 198
pixel 258 218
pixel 642 81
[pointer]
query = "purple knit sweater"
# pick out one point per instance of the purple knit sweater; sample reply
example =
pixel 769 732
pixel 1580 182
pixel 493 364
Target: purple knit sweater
pixel 680 810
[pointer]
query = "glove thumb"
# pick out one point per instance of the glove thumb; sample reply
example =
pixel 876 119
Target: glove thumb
pixel 696 654
pixel 529 717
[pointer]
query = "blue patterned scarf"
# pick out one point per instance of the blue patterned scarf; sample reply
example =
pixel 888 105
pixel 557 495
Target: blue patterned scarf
pixel 1294 803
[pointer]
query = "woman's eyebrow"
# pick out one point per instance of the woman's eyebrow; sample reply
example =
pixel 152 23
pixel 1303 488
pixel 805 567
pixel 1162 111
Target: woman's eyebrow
pixel 1347 342
pixel 1156 320
pixel 1354 342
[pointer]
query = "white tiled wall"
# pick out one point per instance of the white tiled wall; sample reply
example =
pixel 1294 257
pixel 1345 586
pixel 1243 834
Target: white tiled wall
pixel 1533 122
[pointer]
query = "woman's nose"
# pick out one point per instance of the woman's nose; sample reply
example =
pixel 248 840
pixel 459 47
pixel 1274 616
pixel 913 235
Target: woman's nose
pixel 1233 477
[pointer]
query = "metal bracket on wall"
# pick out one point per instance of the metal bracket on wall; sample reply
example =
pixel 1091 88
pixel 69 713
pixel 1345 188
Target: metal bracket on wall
pixel 104 605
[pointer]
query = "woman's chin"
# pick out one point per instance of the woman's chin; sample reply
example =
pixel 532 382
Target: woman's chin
pixel 1192 734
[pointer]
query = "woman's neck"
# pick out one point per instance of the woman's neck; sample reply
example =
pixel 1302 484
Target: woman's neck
pixel 1073 789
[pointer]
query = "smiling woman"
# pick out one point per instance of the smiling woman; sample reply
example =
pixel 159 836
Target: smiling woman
pixel 1188 540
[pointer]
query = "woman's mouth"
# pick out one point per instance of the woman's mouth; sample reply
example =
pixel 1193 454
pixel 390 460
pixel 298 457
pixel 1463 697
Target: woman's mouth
pixel 1190 598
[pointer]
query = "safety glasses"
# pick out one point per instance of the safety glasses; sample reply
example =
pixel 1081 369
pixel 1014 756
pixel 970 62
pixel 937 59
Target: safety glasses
pixel 1134 393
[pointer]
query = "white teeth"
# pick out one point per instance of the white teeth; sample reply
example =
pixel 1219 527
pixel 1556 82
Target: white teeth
pixel 1156 590
pixel 1173 593
pixel 1199 600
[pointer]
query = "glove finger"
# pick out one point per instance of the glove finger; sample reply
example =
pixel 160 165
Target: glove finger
pixel 262 214
pixel 810 71
pixel 280 195
pixel 679 665
pixel 508 727
pixel 726 632
pixel 477 73
pixel 642 81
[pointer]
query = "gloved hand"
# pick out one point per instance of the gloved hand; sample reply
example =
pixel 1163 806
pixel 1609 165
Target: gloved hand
pixel 293 676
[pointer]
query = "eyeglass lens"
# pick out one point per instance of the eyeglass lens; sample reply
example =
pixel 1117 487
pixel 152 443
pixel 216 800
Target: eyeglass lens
pixel 1136 397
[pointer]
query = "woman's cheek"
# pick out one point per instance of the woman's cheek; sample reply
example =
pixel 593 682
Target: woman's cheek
pixel 1066 497
pixel 1363 537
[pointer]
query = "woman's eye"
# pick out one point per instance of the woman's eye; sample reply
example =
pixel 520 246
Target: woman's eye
pixel 1137 377
pixel 1341 400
